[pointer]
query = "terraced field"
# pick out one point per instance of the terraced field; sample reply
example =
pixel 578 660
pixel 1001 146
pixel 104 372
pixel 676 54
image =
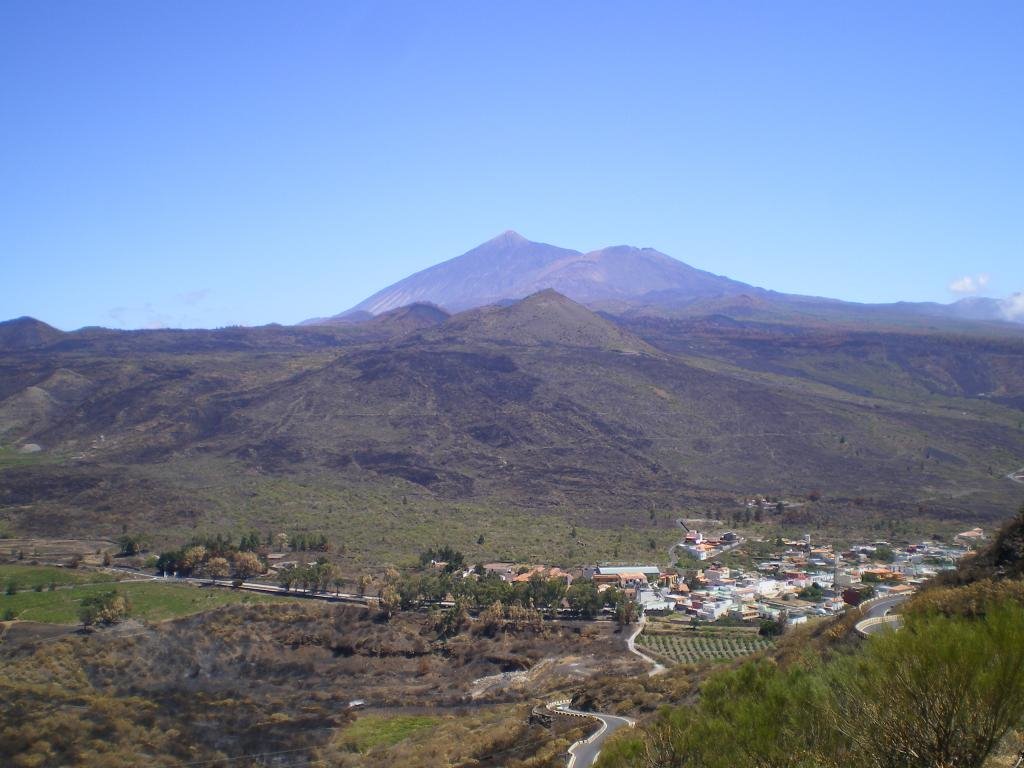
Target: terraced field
pixel 693 647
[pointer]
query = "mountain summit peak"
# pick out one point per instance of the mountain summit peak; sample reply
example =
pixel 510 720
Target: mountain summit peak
pixel 509 267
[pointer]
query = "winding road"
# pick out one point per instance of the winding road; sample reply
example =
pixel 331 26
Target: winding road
pixel 584 752
pixel 656 667
pixel 877 619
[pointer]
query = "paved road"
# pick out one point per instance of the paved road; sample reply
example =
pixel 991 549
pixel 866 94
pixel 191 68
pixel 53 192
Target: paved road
pixel 583 754
pixel 1017 477
pixel 253 586
pixel 883 606
pixel 879 610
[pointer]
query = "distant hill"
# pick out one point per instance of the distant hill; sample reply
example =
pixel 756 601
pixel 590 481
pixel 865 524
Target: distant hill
pixel 413 317
pixel 545 318
pixel 25 333
pixel 524 419
pixel 623 280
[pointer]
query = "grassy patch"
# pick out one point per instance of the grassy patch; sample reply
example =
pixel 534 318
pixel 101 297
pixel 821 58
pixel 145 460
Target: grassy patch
pixel 9 457
pixel 29 576
pixel 152 601
pixel 376 730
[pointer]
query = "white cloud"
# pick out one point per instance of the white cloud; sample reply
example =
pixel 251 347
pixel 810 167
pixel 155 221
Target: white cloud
pixel 1013 306
pixel 969 284
pixel 192 298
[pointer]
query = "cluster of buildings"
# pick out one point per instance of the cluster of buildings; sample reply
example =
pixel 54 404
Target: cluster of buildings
pixel 516 573
pixel 699 547
pixel 801 581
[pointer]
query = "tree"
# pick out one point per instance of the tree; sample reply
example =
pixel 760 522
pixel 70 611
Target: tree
pixel 250 542
pixel 168 562
pixel 884 555
pixel 627 612
pixel 389 601
pixel 492 618
pixel 584 599
pixel 454 620
pixel 454 560
pixel 814 593
pixel 104 608
pixel 131 545
pixel 217 568
pixel 247 565
pixel 322 574
pixel 772 627
pixel 287 578
pixel 192 559
pixel 364 584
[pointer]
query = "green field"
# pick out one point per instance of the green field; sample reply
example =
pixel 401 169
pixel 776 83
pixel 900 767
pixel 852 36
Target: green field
pixel 693 647
pixel 30 576
pixel 371 731
pixel 9 457
pixel 153 601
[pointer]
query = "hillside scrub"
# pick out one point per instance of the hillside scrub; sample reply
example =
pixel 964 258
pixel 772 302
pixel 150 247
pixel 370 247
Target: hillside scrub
pixel 273 676
pixel 513 441
pixel 941 693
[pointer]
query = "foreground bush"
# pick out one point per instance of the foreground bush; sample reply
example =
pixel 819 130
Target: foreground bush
pixel 941 693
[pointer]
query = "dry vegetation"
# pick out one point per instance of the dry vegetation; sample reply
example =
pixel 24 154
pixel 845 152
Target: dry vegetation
pixel 252 680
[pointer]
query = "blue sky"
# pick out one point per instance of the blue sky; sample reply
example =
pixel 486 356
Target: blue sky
pixel 213 163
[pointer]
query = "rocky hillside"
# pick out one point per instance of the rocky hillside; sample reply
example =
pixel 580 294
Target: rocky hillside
pixel 542 407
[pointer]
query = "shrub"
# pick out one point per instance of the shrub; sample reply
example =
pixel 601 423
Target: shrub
pixel 104 608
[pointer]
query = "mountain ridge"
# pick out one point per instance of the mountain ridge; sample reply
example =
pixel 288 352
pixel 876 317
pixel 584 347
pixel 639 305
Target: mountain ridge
pixel 624 279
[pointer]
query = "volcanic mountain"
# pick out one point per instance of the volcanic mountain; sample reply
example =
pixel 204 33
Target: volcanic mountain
pixel 510 267
pixel 627 281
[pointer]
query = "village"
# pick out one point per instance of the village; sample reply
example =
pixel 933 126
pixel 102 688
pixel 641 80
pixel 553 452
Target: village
pixel 801 580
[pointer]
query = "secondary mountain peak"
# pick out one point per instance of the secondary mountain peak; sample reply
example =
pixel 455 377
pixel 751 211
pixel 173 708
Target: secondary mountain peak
pixel 27 332
pixel 413 317
pixel 543 318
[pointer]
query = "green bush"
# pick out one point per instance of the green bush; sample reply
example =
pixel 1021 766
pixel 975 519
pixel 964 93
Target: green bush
pixel 940 693
pixel 104 608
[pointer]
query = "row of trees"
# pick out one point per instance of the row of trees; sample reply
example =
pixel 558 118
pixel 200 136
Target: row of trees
pixel 453 559
pixel 318 577
pixel 216 563
pixel 485 591
pixel 221 545
pixel 941 693
pixel 219 556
